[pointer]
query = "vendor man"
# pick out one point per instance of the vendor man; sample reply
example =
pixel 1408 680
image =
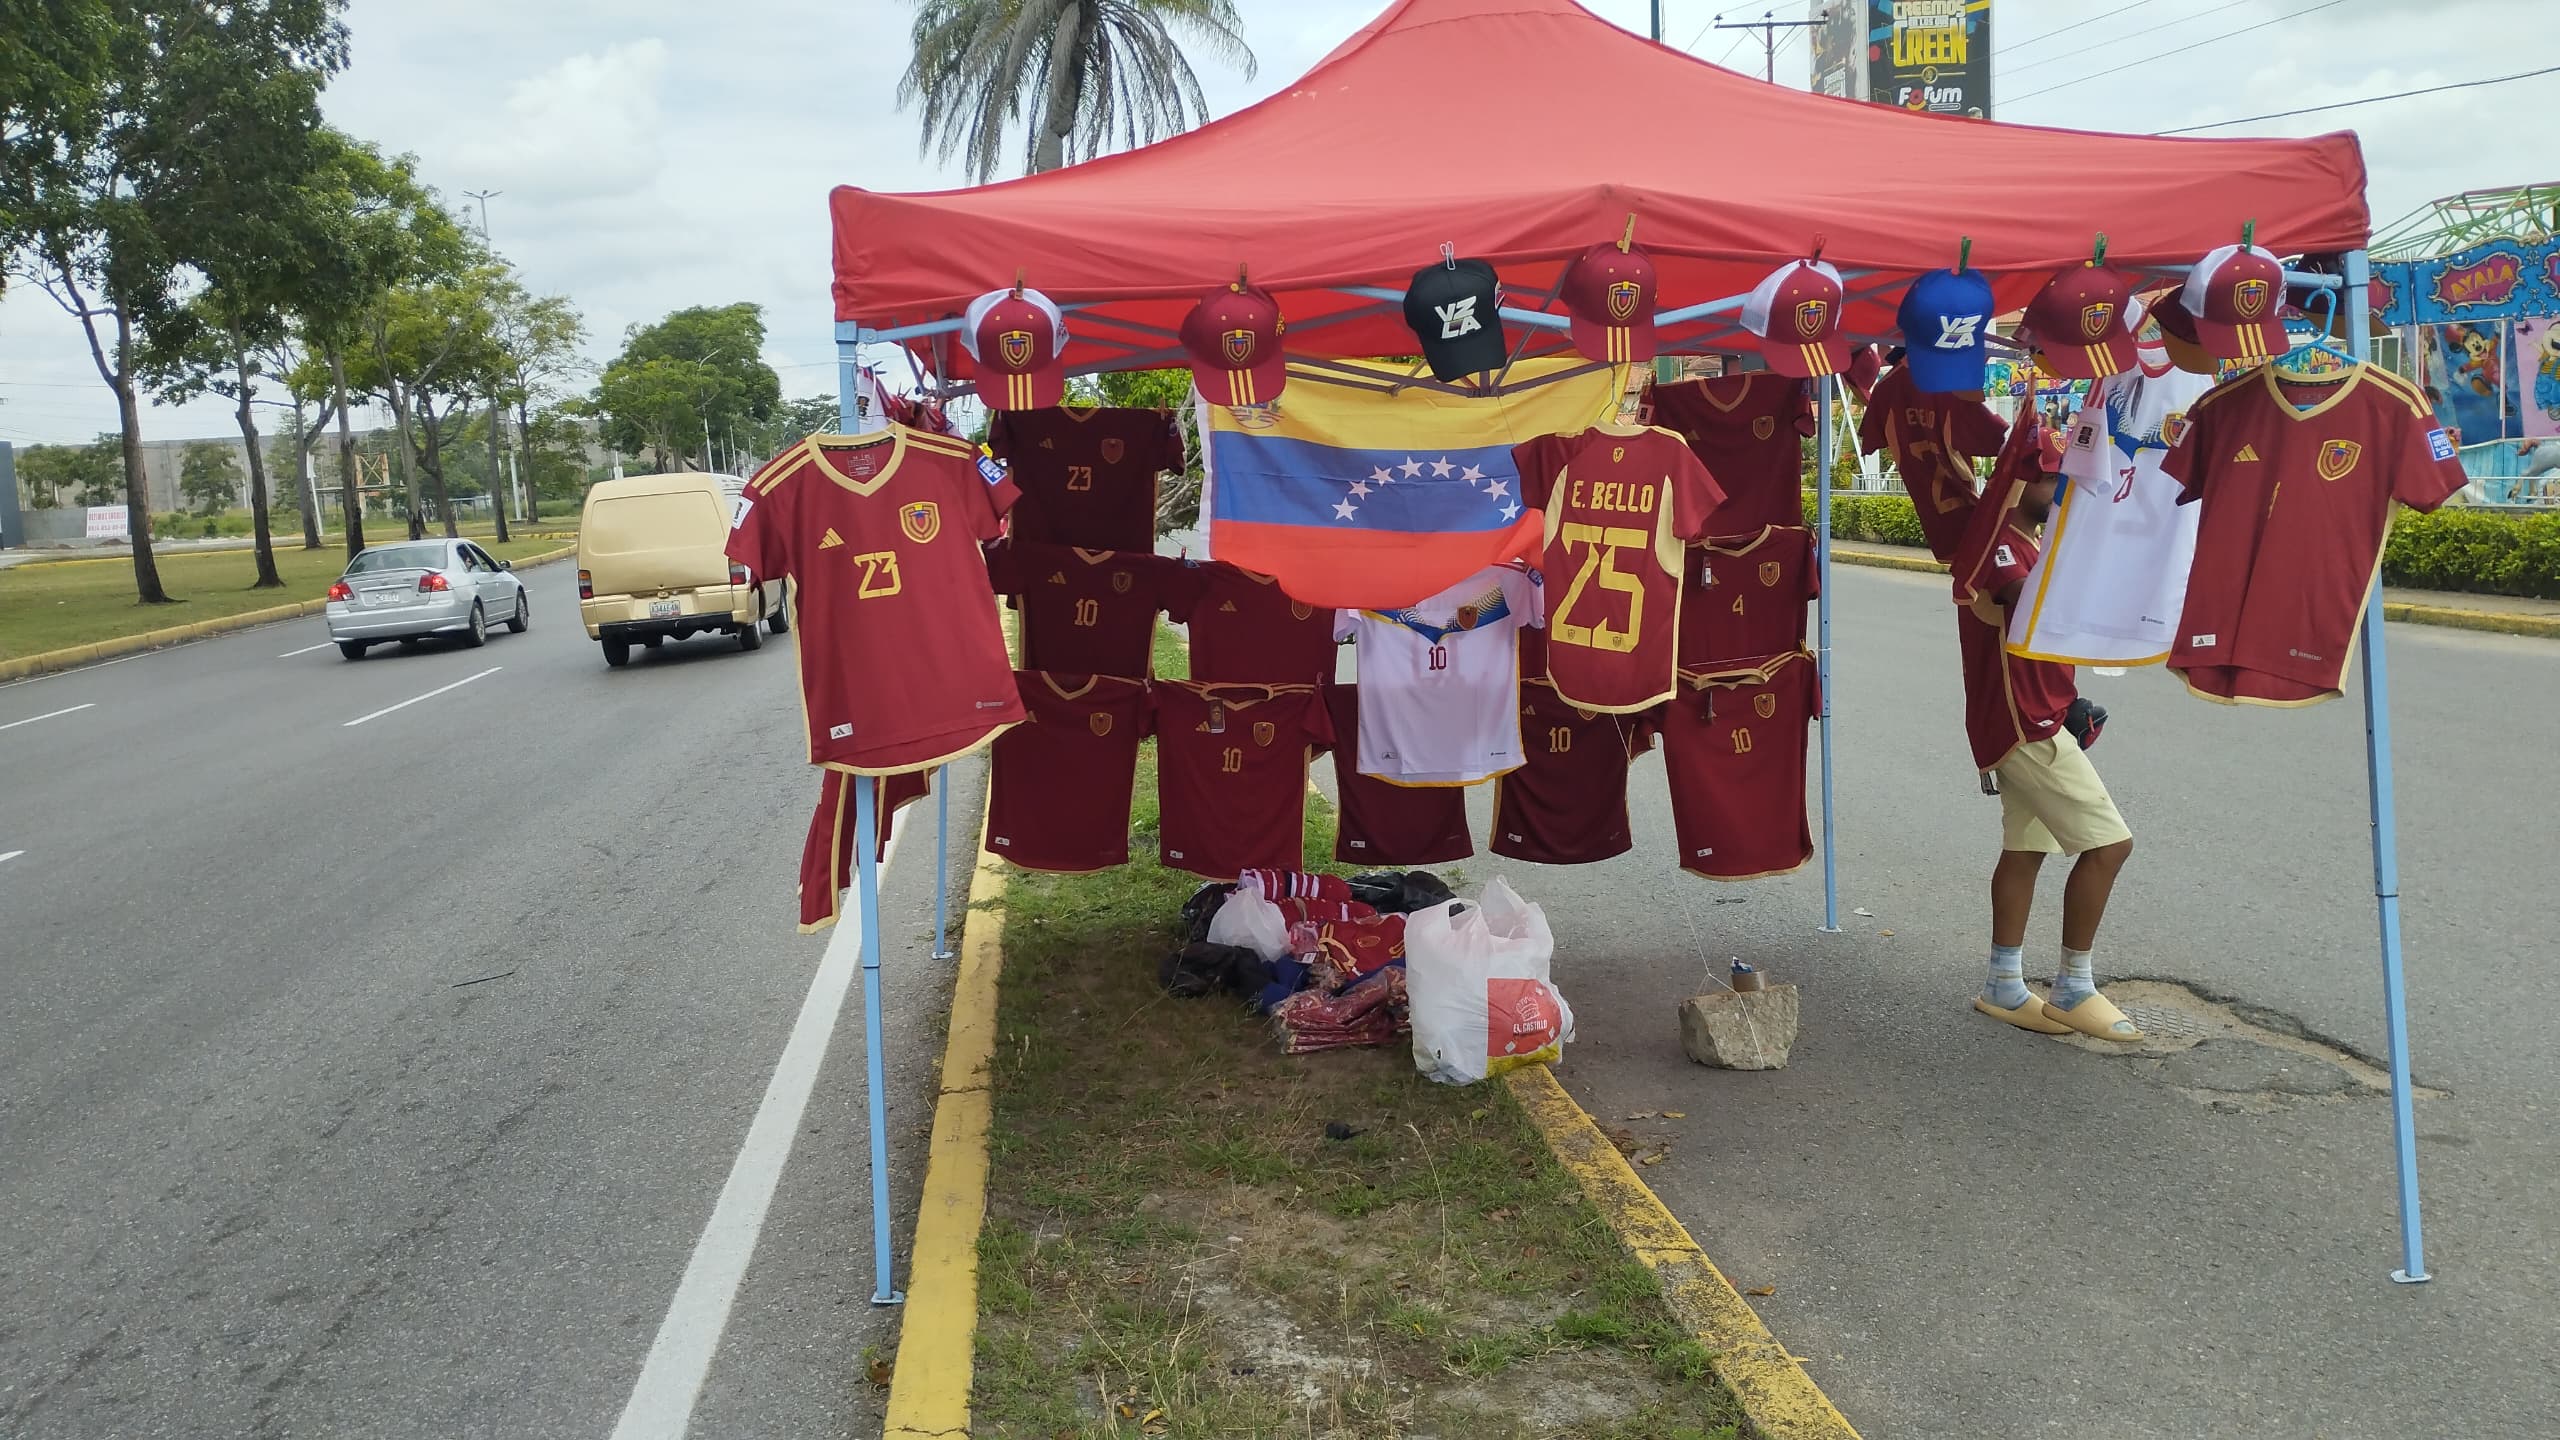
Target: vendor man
pixel 2030 733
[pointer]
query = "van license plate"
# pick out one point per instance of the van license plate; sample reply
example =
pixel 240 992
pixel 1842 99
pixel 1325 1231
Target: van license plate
pixel 665 609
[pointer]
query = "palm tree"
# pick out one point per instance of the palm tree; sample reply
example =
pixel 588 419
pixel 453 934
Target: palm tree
pixel 1082 75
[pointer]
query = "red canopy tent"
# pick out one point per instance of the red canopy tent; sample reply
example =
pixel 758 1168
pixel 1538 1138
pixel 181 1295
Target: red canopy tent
pixel 1522 132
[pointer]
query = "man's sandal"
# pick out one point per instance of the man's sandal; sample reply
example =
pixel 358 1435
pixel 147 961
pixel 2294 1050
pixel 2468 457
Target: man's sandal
pixel 2097 1017
pixel 2029 1016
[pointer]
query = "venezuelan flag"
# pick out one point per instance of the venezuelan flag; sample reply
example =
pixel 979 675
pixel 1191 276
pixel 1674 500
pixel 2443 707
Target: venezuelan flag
pixel 1360 499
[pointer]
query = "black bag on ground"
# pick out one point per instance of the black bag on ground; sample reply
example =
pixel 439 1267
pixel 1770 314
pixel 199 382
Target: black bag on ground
pixel 1399 892
pixel 1200 967
pixel 1202 907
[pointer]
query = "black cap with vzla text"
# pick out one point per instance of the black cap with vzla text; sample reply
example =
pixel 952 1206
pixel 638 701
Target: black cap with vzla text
pixel 1455 309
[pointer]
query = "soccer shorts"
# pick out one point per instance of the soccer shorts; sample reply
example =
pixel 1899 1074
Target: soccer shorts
pixel 2052 801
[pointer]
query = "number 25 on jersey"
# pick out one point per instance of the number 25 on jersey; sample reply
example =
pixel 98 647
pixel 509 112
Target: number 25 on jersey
pixel 1599 546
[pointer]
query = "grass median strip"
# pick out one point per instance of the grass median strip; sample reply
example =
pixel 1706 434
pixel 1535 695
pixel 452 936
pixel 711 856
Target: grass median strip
pixel 1175 1246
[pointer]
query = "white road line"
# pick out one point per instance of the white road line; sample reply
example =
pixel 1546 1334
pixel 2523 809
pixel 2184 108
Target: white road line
pixel 661 1405
pixel 49 714
pixel 307 649
pixel 430 695
pixel 8 855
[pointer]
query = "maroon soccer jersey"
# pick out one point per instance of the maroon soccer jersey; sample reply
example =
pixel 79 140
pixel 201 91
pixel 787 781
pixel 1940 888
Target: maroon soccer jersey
pixel 1929 436
pixel 1618 505
pixel 1746 597
pixel 1085 612
pixel 2297 481
pixel 827 855
pixel 1383 823
pixel 1059 795
pixel 1734 746
pixel 1088 477
pixel 1246 629
pixel 2008 699
pixel 1568 804
pixel 1231 774
pixel 1747 430
pixel 902 658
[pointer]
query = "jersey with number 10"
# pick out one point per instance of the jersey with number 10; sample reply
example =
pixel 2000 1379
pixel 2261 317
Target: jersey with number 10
pixel 902 657
pixel 1618 505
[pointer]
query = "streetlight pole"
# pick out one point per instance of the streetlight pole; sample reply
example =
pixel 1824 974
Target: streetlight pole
pixel 497 441
pixel 1768 25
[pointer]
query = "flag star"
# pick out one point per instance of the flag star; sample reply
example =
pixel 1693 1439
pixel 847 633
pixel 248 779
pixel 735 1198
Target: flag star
pixel 1441 467
pixel 1342 510
pixel 1411 467
pixel 1472 474
pixel 1382 476
pixel 1510 512
pixel 1360 489
pixel 1498 489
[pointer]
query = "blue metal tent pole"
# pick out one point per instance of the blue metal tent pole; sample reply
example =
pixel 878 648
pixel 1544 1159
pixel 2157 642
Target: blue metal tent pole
pixel 866 844
pixel 942 867
pixel 1822 655
pixel 2386 858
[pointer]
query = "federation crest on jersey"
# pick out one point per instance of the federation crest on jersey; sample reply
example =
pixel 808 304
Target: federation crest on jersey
pixel 1301 610
pixel 1238 346
pixel 1264 732
pixel 1113 447
pixel 1769 571
pixel 1764 427
pixel 2338 459
pixel 1764 706
pixel 2249 297
pixel 1099 722
pixel 1622 298
pixel 1121 580
pixel 1809 317
pixel 1016 346
pixel 920 521
pixel 2094 318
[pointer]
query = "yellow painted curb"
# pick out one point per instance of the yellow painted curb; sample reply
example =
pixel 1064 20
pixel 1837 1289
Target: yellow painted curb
pixel 937 1343
pixel 75 656
pixel 1876 561
pixel 1781 1399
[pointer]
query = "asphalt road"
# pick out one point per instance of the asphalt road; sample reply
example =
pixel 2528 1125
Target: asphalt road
pixel 1977 1233
pixel 277 1160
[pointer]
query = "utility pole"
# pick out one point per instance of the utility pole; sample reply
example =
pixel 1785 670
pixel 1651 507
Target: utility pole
pixel 1768 25
pixel 1657 21
pixel 497 443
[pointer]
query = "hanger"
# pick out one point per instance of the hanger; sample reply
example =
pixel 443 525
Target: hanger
pixel 2291 365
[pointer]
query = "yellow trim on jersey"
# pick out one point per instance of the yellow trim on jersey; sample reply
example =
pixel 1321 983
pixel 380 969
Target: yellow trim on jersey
pixel 2291 411
pixel 2045 557
pixel 936 763
pixel 817 448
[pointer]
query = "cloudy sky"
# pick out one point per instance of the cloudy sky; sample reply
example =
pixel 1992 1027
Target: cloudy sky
pixel 655 154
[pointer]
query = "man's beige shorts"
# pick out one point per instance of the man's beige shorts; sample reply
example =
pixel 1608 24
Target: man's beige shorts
pixel 2052 801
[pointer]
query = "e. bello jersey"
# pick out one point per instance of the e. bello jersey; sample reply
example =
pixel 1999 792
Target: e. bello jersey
pixel 1382 823
pixel 1231 774
pixel 1088 477
pixel 1734 748
pixel 2297 481
pixel 1440 681
pixel 1746 429
pixel 1745 598
pixel 902 657
pixel 1568 805
pixel 1058 794
pixel 1246 629
pixel 1929 435
pixel 827 855
pixel 1086 612
pixel 1618 504
pixel 2113 575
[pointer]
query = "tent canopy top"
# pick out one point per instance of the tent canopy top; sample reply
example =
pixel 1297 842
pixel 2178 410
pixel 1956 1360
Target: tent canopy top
pixel 1523 132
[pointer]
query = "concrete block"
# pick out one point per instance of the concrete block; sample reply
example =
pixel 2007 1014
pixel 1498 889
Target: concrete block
pixel 1744 1030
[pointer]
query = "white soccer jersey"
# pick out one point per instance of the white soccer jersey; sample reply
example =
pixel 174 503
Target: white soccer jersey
pixel 1440 681
pixel 2107 589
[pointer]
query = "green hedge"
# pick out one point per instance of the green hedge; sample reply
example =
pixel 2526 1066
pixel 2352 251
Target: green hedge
pixel 2484 552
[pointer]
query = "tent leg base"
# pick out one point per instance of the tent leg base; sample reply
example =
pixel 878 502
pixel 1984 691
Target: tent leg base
pixel 1828 930
pixel 2403 1277
pixel 892 1298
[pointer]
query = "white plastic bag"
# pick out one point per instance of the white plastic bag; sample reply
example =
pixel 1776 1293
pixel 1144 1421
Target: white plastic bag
pixel 1476 975
pixel 1245 918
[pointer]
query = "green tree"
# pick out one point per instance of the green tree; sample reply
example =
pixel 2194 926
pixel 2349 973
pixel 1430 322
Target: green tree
pixel 696 372
pixel 541 343
pixel 56 475
pixel 146 114
pixel 209 477
pixel 1083 75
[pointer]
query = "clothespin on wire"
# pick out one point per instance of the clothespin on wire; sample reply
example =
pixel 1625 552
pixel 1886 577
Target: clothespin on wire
pixel 1964 253
pixel 1627 238
pixel 1449 254
pixel 2098 253
pixel 1819 240
pixel 2249 235
pixel 1018 274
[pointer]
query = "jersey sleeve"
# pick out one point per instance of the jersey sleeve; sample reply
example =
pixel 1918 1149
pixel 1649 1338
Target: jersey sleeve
pixel 1167 581
pixel 758 537
pixel 1004 567
pixel 1875 427
pixel 2185 462
pixel 1798 411
pixel 1000 435
pixel 1168 436
pixel 1186 582
pixel 1974 428
pixel 990 495
pixel 1809 562
pixel 2426 465
pixel 1346 625
pixel 1538 460
pixel 1525 592
pixel 1694 492
pixel 1317 724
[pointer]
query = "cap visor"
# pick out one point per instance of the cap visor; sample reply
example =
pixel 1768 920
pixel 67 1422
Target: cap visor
pixel 2249 341
pixel 1038 390
pixel 1946 372
pixel 1254 385
pixel 1631 343
pixel 1807 362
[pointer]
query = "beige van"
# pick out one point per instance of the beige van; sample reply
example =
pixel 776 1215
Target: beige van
pixel 653 565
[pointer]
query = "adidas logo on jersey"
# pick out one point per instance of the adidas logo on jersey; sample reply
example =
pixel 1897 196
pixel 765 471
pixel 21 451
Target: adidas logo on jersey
pixel 2247 452
pixel 830 540
pixel 1048 444
pixel 1058 579
pixel 1226 607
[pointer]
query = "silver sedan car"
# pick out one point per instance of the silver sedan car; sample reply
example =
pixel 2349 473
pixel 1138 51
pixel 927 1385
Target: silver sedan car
pixel 417 588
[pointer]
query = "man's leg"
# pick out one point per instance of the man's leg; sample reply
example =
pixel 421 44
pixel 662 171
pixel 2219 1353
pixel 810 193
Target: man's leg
pixel 2054 778
pixel 2024 843
pixel 2084 895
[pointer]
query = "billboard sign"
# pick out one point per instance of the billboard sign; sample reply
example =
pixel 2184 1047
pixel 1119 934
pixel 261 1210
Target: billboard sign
pixel 109 522
pixel 1839 48
pixel 1929 55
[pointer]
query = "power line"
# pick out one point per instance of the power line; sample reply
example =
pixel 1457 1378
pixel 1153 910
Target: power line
pixel 2074 25
pixel 2368 100
pixel 2133 35
pixel 2181 50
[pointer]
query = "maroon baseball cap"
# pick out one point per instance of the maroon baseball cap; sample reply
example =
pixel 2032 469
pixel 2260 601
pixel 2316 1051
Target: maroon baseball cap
pixel 2079 323
pixel 1016 336
pixel 1233 335
pixel 1609 295
pixel 2235 295
pixel 1796 312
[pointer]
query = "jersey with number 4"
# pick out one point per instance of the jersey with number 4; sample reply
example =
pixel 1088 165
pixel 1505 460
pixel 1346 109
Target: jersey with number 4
pixel 1746 597
pixel 1618 506
pixel 902 657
